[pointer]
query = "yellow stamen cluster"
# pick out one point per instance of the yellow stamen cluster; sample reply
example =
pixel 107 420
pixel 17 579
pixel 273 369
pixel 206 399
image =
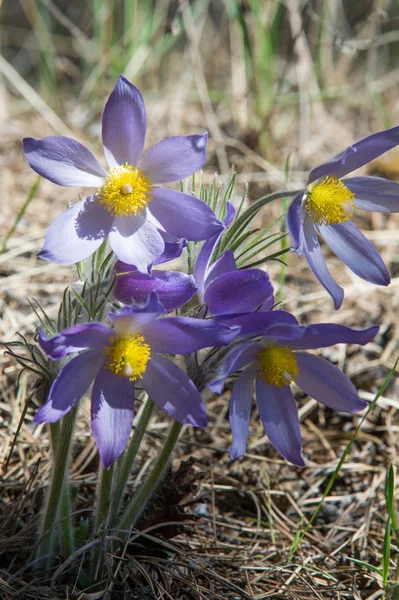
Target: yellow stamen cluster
pixel 128 356
pixel 277 366
pixel 126 191
pixel 330 202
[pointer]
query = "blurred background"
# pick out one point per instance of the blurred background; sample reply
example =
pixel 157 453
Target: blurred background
pixel 271 80
pixel 280 86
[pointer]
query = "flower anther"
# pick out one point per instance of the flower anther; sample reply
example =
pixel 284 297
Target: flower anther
pixel 330 202
pixel 126 191
pixel 277 366
pixel 127 355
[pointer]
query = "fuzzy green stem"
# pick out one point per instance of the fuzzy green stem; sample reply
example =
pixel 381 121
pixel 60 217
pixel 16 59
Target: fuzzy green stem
pixel 55 430
pixel 129 459
pixel 104 498
pixel 66 527
pixel 67 541
pixel 138 503
pixel 65 510
pixel 48 531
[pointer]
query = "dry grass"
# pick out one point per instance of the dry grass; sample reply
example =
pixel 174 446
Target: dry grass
pixel 246 514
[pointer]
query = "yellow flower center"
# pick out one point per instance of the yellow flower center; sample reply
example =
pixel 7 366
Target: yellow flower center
pixel 126 191
pixel 277 365
pixel 127 355
pixel 330 202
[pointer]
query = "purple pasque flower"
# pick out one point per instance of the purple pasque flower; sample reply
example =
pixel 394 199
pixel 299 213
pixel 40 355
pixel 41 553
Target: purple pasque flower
pixel 328 204
pixel 129 206
pixel 226 291
pixel 273 363
pixel 120 358
pixel 174 289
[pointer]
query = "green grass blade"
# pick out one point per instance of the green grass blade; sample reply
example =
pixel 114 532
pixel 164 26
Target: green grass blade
pixel 366 565
pixel 22 211
pixel 274 256
pixel 390 499
pixel 271 240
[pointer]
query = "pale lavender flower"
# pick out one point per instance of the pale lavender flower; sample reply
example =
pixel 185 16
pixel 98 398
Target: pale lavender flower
pixel 327 205
pixel 128 207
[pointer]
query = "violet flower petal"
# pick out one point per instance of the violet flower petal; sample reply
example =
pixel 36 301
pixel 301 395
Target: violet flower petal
pixel 279 415
pixel 374 193
pixel 268 303
pixel 276 323
pixel 238 292
pixel 183 335
pixel 202 263
pixel 230 214
pixel 174 289
pixel 75 338
pixel 224 264
pixel 63 161
pixel 322 335
pixel 239 356
pixel 172 390
pixel 69 386
pixel 175 158
pixel 359 154
pixel 136 242
pixel 131 319
pixel 173 249
pixel 112 412
pixel 183 216
pixel 314 256
pixel 356 251
pixel 76 233
pixel 124 125
pixel 240 411
pixel 294 222
pixel 202 267
pixel 327 384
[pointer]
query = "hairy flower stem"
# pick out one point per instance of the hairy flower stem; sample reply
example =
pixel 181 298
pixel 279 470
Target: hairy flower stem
pixel 55 431
pixel 104 498
pixel 67 541
pixel 138 503
pixel 102 518
pixel 128 461
pixel 48 530
pixel 66 527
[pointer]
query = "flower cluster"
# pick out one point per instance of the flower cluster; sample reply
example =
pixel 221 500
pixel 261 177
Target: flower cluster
pixel 154 337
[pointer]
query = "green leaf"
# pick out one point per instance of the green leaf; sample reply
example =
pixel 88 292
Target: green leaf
pixel 247 216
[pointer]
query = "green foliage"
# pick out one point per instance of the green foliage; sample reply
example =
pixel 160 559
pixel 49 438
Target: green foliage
pixel 260 26
pixel 42 23
pixel 246 242
pixel 250 243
